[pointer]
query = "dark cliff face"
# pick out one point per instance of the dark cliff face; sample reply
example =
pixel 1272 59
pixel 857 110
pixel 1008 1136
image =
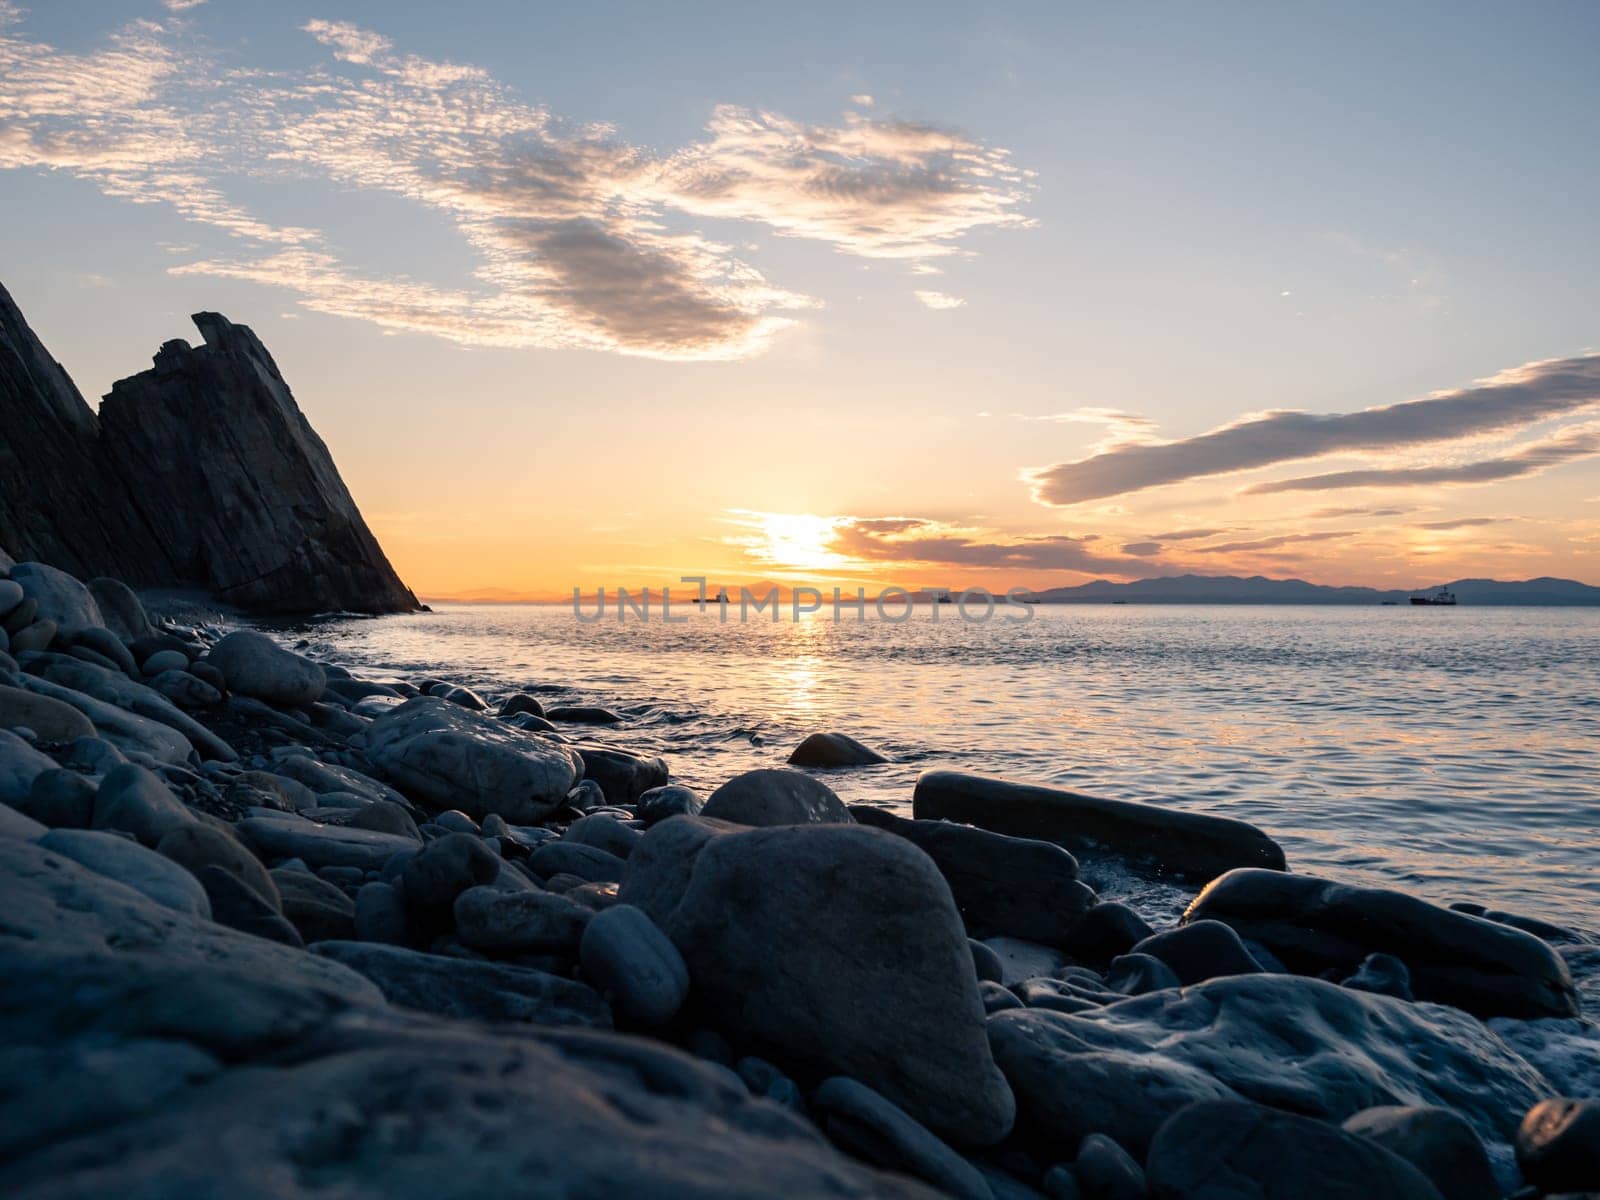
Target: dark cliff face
pixel 200 472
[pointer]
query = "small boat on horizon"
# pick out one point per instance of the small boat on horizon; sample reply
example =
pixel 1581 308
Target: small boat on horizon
pixel 1443 597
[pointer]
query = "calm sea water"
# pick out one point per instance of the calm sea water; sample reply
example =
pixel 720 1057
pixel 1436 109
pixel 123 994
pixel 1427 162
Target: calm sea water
pixel 1448 752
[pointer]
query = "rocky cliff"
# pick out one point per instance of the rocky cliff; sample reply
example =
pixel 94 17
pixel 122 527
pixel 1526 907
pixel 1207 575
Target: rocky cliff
pixel 200 472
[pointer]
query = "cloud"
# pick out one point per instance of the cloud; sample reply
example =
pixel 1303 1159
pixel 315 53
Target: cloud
pixel 919 540
pixel 1273 543
pixel 178 6
pixel 1518 397
pixel 1187 535
pixel 1464 523
pixel 1323 514
pixel 1568 445
pixel 940 300
pixel 582 239
pixel 1142 549
pixel 863 100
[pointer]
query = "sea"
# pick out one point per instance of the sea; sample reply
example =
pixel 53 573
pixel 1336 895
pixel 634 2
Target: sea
pixel 1453 753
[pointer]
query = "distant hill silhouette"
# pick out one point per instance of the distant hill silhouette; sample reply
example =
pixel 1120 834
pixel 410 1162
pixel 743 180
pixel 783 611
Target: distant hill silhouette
pixel 1258 589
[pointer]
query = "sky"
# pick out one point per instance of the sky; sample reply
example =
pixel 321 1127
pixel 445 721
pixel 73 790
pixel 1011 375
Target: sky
pixel 922 294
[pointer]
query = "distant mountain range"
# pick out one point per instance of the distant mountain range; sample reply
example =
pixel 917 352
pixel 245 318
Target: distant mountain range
pixel 1257 589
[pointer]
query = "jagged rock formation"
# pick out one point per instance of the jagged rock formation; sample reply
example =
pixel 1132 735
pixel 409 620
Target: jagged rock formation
pixel 200 472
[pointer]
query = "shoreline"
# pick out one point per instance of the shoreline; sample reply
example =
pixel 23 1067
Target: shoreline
pixel 863 1003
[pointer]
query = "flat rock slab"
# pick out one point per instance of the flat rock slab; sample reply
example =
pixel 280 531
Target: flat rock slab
pixel 320 845
pixel 1300 1045
pixel 1169 841
pixel 1312 925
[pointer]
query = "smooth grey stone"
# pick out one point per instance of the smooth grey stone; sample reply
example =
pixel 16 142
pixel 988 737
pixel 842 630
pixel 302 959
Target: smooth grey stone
pixel 498 921
pixel 622 777
pixel 109 646
pixel 92 754
pixel 384 816
pixel 1232 1148
pixel 773 796
pixel 11 595
pixel 239 906
pixel 529 723
pixel 165 660
pixel 455 987
pixel 92 657
pixel 373 707
pixel 1292 1043
pixel 20 617
pixel 604 832
pixel 1105 1171
pixel 1314 925
pixel 120 608
pixel 634 966
pixel 457 822
pixel 1434 1140
pixel 355 690
pixel 1381 973
pixel 134 800
pixel 198 845
pixel 579 714
pixel 521 703
pixel 51 720
pixel 129 732
pixel 673 800
pixel 1545 930
pixel 986 963
pixel 586 796
pixel 1171 841
pixel 182 688
pixel 1004 886
pixel 1558 1145
pixel 448 757
pixel 34 637
pixel 1058 996
pixel 60 597
pixel 314 906
pixel 833 750
pixel 881 990
pixel 380 914
pixel 129 863
pixel 1199 950
pixel 60 799
pixel 465 697
pixel 861 1122
pixel 588 863
pixel 114 688
pixel 254 665
pixel 320 845
pixel 20 765
pixel 442 871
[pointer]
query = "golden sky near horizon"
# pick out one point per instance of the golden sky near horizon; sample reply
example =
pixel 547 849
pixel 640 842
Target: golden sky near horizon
pixel 1019 298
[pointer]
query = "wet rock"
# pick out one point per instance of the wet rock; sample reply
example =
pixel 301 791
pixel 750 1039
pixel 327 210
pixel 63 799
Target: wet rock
pixel 1004 886
pixel 997 998
pixel 383 816
pixel 776 797
pixel 1105 1171
pixel 1435 1141
pixel 1174 842
pixel 129 863
pixel 1107 930
pixel 1292 1043
pixel 134 800
pixel 589 863
pixel 831 949
pixel 1231 1148
pixel 254 665
pixel 324 777
pixel 455 987
pixel 320 845
pixel 634 966
pixel 833 750
pixel 579 714
pixel 1558 1145
pixel 497 921
pixel 447 757
pixel 465 697
pixel 1137 974
pixel 521 703
pixel 604 832
pixel 622 777
pixel 986 963
pixel 60 799
pixel 861 1122
pixel 1383 975
pixel 1200 950
pixel 673 800
pixel 1314 925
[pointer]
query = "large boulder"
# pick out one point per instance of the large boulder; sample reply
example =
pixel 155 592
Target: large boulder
pixel 1300 1045
pixel 116 689
pixel 445 756
pixel 51 719
pixel 834 750
pixel 1227 1148
pixel 1167 840
pixel 127 731
pixel 1314 925
pixel 254 665
pixel 1436 1142
pixel 121 607
pixel 832 950
pixel 623 777
pixel 20 765
pixel 1004 886
pixel 60 597
pixel 772 796
pixel 145 871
